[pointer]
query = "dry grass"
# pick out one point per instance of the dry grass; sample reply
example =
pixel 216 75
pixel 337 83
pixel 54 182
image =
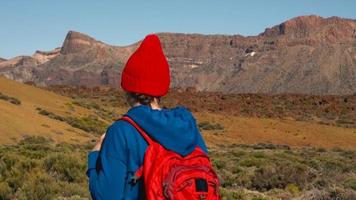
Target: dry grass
pixel 18 121
pixel 248 130
pixel 215 110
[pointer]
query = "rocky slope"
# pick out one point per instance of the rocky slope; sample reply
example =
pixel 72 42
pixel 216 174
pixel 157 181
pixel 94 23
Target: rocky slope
pixel 44 56
pixel 307 54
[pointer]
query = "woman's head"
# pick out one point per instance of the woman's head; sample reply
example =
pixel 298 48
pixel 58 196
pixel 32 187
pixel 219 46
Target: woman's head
pixel 146 73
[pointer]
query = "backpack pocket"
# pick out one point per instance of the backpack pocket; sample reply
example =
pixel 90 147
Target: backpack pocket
pixel 191 182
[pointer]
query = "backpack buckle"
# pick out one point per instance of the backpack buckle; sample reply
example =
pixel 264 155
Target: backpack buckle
pixel 134 179
pixel 137 175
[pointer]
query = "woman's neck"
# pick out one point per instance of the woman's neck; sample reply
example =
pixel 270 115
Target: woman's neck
pixel 154 105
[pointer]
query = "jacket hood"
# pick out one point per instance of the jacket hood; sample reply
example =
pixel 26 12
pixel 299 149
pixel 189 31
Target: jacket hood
pixel 175 128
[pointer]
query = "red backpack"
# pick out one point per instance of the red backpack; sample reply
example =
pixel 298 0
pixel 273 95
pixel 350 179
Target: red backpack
pixel 168 175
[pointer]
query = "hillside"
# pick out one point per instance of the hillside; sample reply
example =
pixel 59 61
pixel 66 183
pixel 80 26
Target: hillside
pixel 29 111
pixel 256 155
pixel 304 55
pixel 20 114
pixel 296 121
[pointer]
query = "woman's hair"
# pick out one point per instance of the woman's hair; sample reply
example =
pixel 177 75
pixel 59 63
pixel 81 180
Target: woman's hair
pixel 133 98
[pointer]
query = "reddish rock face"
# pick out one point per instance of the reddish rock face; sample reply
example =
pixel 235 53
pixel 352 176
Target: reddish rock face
pixel 76 42
pixel 45 56
pixel 330 30
pixel 307 54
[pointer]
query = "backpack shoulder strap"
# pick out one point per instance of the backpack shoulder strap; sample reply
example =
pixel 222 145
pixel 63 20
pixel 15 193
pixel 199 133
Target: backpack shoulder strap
pixel 138 128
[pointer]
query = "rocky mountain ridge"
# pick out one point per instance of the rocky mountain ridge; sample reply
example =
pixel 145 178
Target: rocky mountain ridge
pixel 307 54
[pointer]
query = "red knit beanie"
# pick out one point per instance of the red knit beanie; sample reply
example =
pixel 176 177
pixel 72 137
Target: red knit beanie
pixel 147 70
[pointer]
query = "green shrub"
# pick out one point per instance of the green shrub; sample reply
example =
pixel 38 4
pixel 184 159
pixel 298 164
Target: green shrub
pixel 88 124
pixel 65 167
pixel 344 119
pixel 9 99
pixel 279 176
pixel 251 162
pixel 292 188
pixel 58 173
pixel 232 194
pixel 5 190
pixel 237 169
pixel 210 126
pixel 259 155
pixel 238 194
pixel 50 114
pixel 320 183
pixel 351 183
pixel 74 190
pixel 219 164
pixel 38 186
pixel 259 198
pixel 91 105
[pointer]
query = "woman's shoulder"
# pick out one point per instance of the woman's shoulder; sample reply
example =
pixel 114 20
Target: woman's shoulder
pixel 178 110
pixel 123 130
pixel 120 126
pixel 182 110
pixel 120 130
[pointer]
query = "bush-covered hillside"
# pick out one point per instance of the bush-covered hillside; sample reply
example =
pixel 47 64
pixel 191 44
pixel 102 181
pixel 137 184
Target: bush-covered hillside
pixel 37 168
pixel 267 171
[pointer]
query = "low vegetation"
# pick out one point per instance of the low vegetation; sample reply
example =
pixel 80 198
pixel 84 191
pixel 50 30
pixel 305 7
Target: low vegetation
pixel 37 168
pixel 9 99
pixel 205 125
pixel 329 110
pixel 91 124
pixel 99 110
pixel 270 171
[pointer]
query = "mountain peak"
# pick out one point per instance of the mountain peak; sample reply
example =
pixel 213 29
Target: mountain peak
pixel 44 56
pixel 303 26
pixel 307 54
pixel 76 42
pixel 295 26
pixel 2 59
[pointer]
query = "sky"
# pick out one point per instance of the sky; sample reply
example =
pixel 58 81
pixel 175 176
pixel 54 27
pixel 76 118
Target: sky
pixel 30 25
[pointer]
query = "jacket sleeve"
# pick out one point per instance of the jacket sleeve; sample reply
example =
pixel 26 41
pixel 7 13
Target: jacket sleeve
pixel 201 143
pixel 200 139
pixel 107 169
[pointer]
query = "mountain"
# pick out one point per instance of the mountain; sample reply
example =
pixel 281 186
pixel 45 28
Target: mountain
pixel 307 54
pixel 2 59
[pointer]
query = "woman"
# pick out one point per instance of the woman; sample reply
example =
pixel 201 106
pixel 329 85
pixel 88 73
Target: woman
pixel 120 152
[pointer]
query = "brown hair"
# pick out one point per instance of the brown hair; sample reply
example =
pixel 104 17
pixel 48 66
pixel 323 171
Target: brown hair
pixel 133 98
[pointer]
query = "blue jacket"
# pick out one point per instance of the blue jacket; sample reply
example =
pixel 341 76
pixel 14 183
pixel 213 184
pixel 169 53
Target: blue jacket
pixel 122 152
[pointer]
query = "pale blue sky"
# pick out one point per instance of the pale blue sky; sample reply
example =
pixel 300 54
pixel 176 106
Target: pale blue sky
pixel 28 25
